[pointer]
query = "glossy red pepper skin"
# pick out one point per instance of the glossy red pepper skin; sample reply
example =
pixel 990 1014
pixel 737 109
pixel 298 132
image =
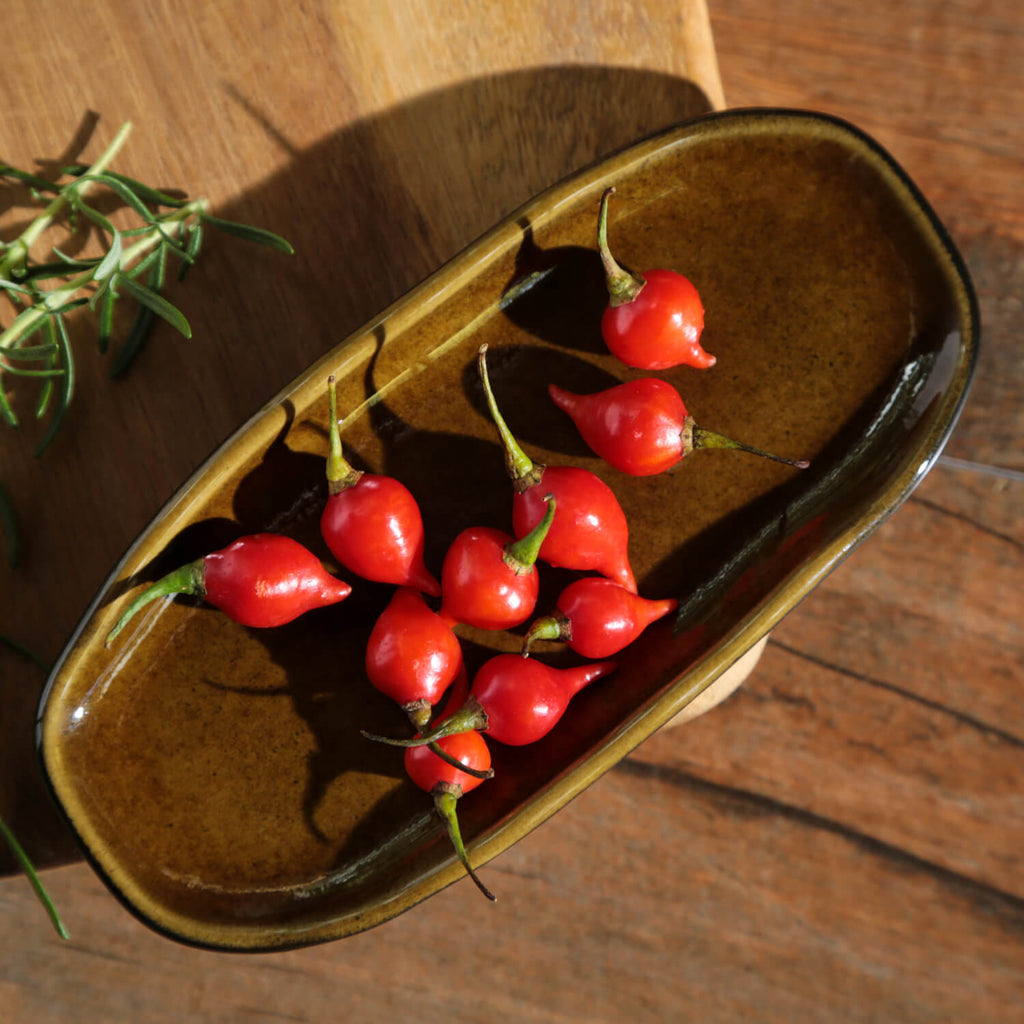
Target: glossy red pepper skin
pixel 661 327
pixel 590 532
pixel 489 579
pixel 427 770
pixel 637 427
pixel 653 320
pixel 261 580
pixel 375 529
pixel 372 523
pixel 267 580
pixel 597 617
pixel 642 427
pixel 412 655
pixel 523 699
pixel 479 588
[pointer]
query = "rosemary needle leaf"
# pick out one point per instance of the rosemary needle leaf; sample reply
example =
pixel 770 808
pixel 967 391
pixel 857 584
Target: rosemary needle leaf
pixel 52 270
pixel 170 243
pixel 26 178
pixel 250 233
pixel 27 353
pixel 12 286
pixel 112 259
pixel 146 193
pixel 122 190
pixel 106 318
pixel 140 330
pixel 71 262
pixel 46 391
pixel 69 305
pixel 58 332
pixel 145 263
pixel 21 649
pixel 47 373
pixel 9 522
pixel 192 247
pixel 144 319
pixel 159 272
pixel 40 890
pixel 100 293
pixel 5 407
pixel 157 303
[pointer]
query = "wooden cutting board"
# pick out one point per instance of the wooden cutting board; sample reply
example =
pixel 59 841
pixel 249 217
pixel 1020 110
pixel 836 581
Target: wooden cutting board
pixel 842 840
pixel 380 139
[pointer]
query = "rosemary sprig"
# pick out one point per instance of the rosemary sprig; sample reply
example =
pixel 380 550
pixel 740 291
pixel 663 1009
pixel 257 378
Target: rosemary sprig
pixel 35 345
pixel 9 837
pixel 36 882
pixel 170 226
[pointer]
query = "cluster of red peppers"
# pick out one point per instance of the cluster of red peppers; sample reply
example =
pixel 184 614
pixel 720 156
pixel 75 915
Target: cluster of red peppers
pixel 565 516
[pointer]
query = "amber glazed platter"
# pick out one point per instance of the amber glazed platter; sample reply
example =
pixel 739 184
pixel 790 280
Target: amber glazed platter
pixel 216 776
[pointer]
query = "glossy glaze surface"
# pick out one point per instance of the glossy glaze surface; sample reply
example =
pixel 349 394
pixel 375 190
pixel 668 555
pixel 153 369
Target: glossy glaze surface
pixel 216 775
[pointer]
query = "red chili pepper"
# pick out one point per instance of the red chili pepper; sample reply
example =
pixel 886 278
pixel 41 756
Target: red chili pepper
pixel 523 699
pixel 642 427
pixel 372 523
pixel 590 532
pixel 412 655
pixel 489 579
pixel 597 617
pixel 457 694
pixel 653 320
pixel 261 580
pixel 447 784
pixel 514 700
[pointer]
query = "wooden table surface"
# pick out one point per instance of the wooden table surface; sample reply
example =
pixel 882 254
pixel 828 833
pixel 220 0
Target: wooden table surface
pixel 842 839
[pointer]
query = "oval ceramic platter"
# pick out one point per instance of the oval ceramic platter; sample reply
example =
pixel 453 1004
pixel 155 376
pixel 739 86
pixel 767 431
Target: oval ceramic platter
pixel 216 776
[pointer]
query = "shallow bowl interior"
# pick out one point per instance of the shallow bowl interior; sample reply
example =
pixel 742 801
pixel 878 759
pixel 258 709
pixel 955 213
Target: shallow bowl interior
pixel 216 776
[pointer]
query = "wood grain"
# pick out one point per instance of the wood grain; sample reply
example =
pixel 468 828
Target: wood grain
pixel 842 839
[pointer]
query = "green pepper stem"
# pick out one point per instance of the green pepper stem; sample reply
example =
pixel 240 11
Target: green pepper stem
pixel 188 579
pixel 446 798
pixel 521 555
pixel 470 716
pixel 701 438
pixel 623 286
pixel 521 468
pixel 550 627
pixel 340 475
pixel 477 773
pixel 419 712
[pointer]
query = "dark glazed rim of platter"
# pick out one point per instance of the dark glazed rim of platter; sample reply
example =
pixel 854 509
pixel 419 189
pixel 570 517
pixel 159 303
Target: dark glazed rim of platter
pixel 690 684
